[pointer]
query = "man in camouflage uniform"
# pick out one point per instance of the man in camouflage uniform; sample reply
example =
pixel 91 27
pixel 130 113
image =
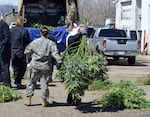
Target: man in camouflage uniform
pixel 40 52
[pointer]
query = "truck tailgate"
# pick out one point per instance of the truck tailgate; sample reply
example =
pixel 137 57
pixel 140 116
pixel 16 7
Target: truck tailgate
pixel 121 44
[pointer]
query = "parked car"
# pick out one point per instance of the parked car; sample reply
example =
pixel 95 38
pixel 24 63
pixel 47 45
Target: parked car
pixel 113 43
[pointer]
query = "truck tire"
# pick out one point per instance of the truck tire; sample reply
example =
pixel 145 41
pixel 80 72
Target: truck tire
pixel 131 60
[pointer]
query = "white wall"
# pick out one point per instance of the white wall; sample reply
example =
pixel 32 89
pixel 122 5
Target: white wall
pixel 130 10
pixel 137 21
pixel 118 15
pixel 145 23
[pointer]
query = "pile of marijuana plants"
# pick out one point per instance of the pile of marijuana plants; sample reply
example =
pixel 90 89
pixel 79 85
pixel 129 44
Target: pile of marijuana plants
pixel 8 94
pixel 81 67
pixel 124 94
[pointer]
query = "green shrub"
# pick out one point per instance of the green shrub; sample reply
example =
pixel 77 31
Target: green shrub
pixel 124 95
pixel 7 94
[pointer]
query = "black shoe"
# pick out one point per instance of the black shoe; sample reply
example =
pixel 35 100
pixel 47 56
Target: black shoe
pixel 69 99
pixel 20 86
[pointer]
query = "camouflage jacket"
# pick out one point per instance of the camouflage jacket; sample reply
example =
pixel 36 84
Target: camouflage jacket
pixel 41 51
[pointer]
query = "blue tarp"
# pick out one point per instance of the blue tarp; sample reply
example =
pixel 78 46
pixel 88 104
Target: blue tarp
pixel 34 33
pixel 58 33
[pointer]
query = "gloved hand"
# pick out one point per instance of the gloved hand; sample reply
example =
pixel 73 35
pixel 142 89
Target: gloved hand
pixel 58 65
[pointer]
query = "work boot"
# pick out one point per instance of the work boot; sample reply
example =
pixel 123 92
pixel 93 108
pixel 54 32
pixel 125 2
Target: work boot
pixel 28 101
pixel 69 99
pixel 45 103
pixel 20 86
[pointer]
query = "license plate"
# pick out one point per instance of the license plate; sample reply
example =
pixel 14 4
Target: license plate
pixel 121 53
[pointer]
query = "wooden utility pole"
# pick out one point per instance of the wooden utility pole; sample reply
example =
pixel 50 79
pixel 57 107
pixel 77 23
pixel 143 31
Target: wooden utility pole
pixel 72 11
pixel 21 11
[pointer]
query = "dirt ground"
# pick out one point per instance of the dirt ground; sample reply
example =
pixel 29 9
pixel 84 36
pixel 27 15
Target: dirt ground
pixel 118 70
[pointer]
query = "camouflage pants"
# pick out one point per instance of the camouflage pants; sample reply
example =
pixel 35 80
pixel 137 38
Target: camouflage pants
pixel 34 75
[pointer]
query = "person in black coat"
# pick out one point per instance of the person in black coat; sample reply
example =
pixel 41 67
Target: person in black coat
pixel 75 38
pixel 4 53
pixel 19 40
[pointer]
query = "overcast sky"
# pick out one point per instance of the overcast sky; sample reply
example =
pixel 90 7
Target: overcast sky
pixel 12 2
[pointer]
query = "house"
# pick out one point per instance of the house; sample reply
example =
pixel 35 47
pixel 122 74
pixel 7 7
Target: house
pixel 135 15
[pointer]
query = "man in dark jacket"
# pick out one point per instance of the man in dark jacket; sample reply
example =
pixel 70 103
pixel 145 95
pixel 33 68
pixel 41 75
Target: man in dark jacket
pixel 19 40
pixel 4 53
pixel 74 38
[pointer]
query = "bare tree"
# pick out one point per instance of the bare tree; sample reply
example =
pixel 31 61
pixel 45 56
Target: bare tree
pixel 107 8
pixel 96 11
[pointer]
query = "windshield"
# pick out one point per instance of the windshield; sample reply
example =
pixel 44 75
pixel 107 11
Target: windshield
pixel 112 33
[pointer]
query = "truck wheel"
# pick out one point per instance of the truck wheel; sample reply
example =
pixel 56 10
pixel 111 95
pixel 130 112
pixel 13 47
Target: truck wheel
pixel 131 60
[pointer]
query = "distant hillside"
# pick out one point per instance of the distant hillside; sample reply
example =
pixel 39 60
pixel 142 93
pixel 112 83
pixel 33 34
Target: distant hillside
pixel 6 8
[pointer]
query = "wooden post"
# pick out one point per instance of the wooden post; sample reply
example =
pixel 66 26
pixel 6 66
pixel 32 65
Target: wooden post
pixel 23 14
pixel 144 43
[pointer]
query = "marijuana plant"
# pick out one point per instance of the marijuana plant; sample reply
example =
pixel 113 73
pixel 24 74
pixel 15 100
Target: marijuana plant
pixel 80 67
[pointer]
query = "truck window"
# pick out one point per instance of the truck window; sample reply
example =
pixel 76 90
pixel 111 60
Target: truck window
pixel 112 33
pixel 92 34
pixel 90 31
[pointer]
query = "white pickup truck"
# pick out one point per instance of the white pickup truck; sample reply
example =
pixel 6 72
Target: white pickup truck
pixel 113 43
